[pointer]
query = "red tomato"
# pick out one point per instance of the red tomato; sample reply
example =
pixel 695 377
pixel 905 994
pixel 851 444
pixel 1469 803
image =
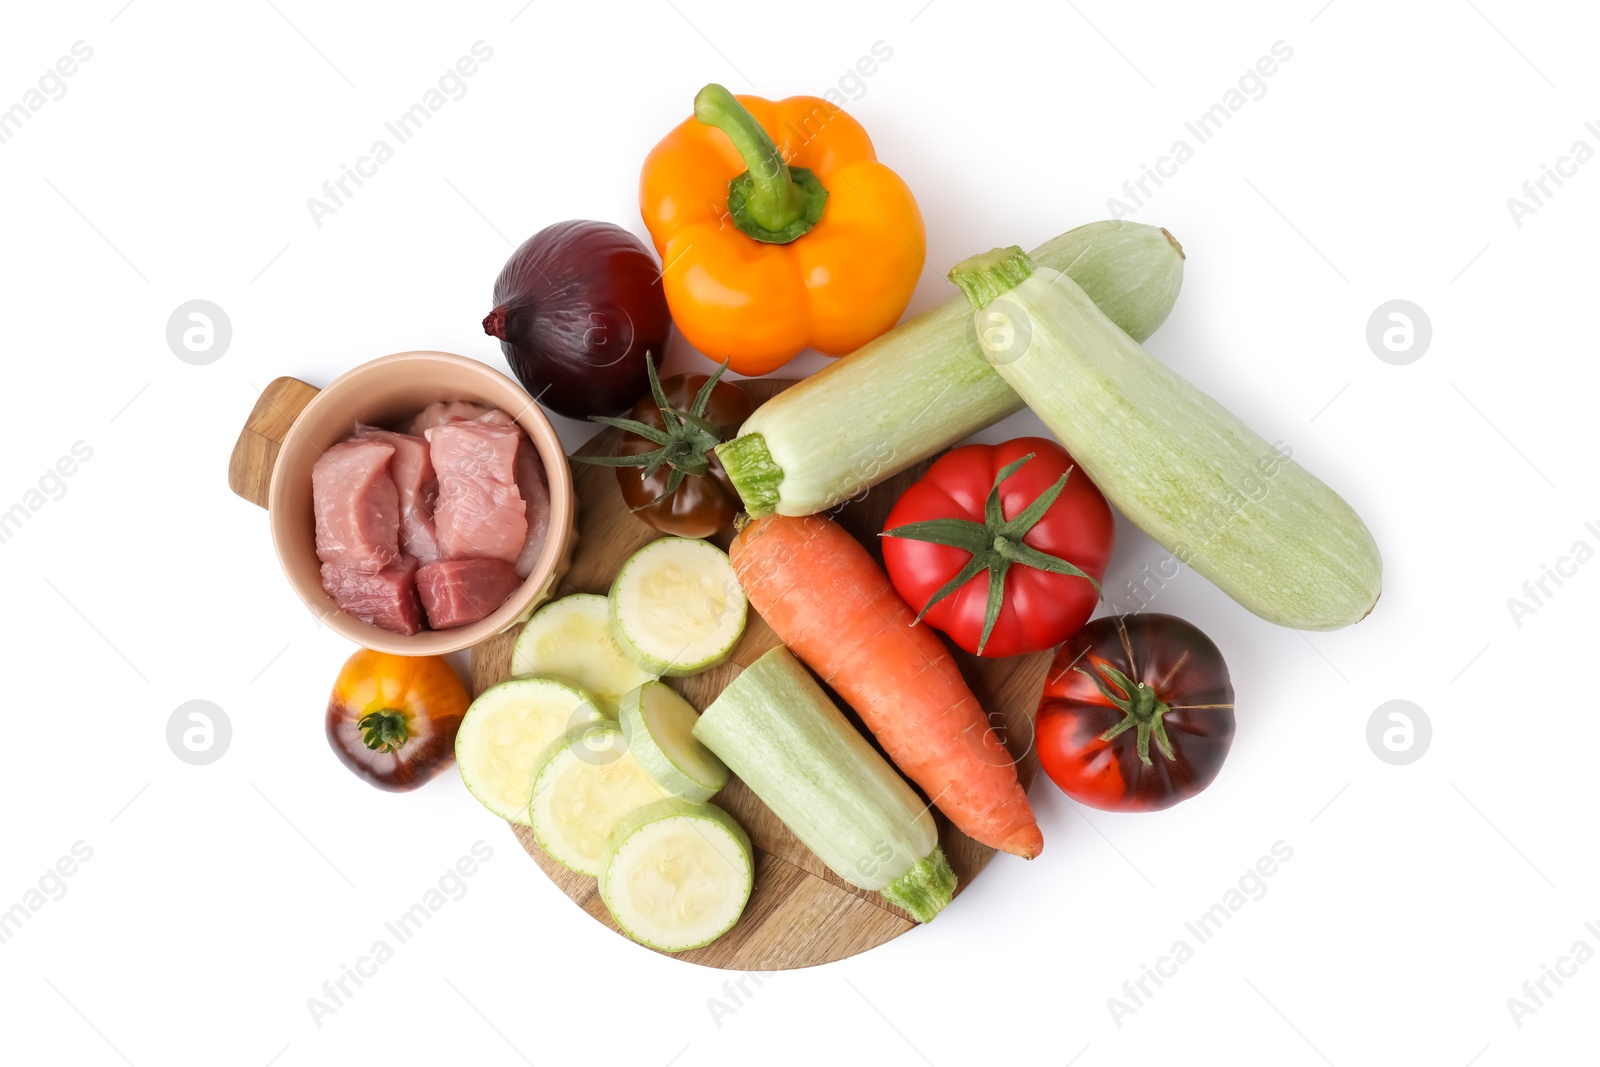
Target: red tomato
pixel 1137 713
pixel 980 529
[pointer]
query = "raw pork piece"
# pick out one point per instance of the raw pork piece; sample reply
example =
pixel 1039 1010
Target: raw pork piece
pixel 480 513
pixel 458 591
pixel 536 497
pixel 412 471
pixel 356 504
pixel 445 410
pixel 386 598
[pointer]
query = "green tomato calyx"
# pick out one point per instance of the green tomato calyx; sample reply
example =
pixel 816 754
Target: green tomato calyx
pixel 384 731
pixel 1142 711
pixel 684 445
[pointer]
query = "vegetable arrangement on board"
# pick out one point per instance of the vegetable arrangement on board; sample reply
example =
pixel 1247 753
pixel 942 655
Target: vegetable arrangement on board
pixel 777 230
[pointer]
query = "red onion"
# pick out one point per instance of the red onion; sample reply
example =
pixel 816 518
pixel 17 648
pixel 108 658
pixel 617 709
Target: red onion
pixel 578 308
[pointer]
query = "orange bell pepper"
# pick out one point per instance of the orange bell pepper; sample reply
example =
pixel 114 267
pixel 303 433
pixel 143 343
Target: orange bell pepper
pixel 777 229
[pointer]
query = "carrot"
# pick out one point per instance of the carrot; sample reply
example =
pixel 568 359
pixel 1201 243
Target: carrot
pixel 826 598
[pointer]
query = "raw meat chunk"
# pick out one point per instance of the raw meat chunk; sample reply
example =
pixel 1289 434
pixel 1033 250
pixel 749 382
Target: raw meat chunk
pixel 536 499
pixel 480 513
pixel 458 591
pixel 412 471
pixel 386 598
pixel 446 410
pixel 356 504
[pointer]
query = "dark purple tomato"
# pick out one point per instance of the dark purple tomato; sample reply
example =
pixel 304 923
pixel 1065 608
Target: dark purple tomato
pixel 1137 713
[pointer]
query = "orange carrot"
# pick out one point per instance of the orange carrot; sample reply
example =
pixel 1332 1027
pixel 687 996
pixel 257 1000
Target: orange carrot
pixel 827 599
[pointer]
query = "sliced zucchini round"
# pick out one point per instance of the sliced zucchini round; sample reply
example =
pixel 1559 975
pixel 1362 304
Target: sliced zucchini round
pixel 658 724
pixel 677 606
pixel 586 784
pixel 506 731
pixel 678 874
pixel 571 640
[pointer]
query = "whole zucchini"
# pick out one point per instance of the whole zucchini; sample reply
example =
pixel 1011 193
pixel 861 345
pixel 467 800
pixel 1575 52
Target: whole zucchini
pixel 1176 462
pixel 925 385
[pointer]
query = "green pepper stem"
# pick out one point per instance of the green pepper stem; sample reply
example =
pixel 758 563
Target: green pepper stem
pixel 770 201
pixel 715 106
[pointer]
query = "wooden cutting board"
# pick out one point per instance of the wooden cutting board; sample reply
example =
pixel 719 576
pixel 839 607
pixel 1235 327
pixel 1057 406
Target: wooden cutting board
pixel 800 913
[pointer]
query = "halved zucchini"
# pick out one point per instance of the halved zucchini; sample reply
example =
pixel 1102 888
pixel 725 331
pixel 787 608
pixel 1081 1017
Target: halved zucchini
pixel 659 724
pixel 586 784
pixel 792 747
pixel 677 606
pixel 571 641
pixel 678 874
pixel 506 731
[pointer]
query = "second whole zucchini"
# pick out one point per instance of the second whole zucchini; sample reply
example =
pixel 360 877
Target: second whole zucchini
pixel 1185 469
pixel 925 385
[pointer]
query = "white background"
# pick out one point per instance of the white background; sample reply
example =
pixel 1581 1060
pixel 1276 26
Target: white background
pixel 1376 166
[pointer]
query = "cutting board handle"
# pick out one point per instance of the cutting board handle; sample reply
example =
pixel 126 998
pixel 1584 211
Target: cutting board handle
pixel 250 466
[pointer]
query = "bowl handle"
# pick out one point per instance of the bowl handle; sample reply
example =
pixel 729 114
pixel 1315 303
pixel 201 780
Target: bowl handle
pixel 250 466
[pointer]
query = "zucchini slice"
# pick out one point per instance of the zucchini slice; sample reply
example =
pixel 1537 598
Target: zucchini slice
pixel 586 784
pixel 678 875
pixel 571 641
pixel 504 733
pixel 659 725
pixel 677 606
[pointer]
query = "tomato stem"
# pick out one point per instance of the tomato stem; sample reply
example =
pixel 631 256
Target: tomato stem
pixel 384 731
pixel 1142 711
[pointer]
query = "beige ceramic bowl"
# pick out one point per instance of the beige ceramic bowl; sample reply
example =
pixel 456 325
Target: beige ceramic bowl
pixel 382 393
